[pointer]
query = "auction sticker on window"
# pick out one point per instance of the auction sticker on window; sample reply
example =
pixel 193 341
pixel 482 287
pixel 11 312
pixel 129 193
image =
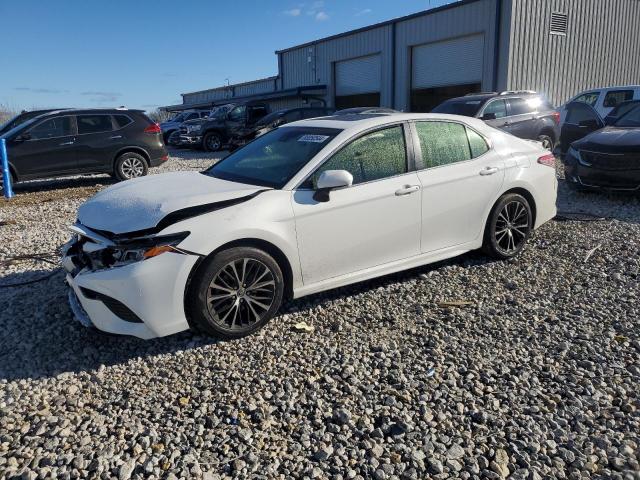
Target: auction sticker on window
pixel 313 138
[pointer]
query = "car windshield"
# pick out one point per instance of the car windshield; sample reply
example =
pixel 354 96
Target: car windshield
pixel 467 108
pixel 19 119
pixel 630 119
pixel 273 159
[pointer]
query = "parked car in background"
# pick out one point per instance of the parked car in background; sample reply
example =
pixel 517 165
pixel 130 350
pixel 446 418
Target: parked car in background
pixel 290 215
pixel 21 118
pixel 276 119
pixel 365 110
pixel 526 115
pixel 620 110
pixel 174 124
pixel 215 132
pixel 603 100
pixel 121 142
pixel 600 156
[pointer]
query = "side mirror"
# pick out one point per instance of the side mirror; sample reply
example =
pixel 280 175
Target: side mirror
pixel 331 180
pixel 488 116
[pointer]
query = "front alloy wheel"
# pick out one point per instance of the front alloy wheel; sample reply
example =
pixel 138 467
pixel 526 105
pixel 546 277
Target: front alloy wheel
pixel 131 165
pixel 212 142
pixel 235 293
pixel 508 227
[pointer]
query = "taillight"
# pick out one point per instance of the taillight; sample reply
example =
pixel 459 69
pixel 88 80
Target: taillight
pixel 153 128
pixel 556 117
pixel 549 160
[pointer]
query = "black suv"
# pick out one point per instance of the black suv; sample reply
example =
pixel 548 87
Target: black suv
pixel 524 114
pixel 216 131
pixel 124 143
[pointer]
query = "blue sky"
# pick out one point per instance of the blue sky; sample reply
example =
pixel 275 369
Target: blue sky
pixel 143 53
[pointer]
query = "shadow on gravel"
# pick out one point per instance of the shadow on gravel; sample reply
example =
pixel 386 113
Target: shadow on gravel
pixel 63 183
pixel 40 338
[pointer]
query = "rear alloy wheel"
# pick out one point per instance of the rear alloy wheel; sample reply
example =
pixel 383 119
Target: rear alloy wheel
pixel 547 142
pixel 508 227
pixel 236 293
pixel 212 142
pixel 131 165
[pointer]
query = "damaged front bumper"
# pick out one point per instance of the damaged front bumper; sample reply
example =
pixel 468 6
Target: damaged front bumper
pixel 143 298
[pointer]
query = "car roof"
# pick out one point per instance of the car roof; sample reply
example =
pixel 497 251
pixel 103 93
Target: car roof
pixel 78 111
pixel 357 122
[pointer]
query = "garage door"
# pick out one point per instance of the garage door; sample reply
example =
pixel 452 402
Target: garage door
pixel 452 62
pixel 358 82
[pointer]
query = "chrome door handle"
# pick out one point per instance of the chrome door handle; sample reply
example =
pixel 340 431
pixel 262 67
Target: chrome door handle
pixel 115 137
pixel 489 171
pixel 407 190
pixel 67 143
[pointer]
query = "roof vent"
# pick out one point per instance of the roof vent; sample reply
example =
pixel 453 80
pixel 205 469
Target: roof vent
pixel 559 23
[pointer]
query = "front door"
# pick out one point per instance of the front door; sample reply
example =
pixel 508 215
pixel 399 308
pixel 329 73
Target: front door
pixel 522 118
pixel 373 222
pixel 495 114
pixel 581 120
pixel 49 149
pixel 460 179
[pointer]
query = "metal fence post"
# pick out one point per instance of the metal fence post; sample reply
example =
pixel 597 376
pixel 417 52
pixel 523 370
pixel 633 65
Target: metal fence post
pixel 6 174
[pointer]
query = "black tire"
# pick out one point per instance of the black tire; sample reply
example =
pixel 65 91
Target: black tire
pixel 229 312
pixel 547 142
pixel 130 165
pixel 508 227
pixel 212 142
pixel 166 136
pixel 12 180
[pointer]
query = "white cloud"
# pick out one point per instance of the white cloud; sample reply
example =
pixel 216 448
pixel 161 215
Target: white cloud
pixel 294 12
pixel 322 16
pixel 366 11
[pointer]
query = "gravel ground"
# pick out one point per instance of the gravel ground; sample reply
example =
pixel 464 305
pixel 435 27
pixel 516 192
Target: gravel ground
pixel 534 374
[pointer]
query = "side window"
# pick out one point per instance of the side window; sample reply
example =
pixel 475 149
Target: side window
pixel 590 98
pixel 94 124
pixel 122 120
pixel 292 116
pixel 477 144
pixel 377 155
pixel 445 143
pixel 256 113
pixel 520 106
pixel 237 114
pixel 498 107
pixel 614 98
pixel 193 116
pixel 579 112
pixel 52 128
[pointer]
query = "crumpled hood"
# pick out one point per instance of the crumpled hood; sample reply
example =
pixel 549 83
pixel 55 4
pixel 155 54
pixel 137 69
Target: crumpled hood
pixel 611 139
pixel 141 203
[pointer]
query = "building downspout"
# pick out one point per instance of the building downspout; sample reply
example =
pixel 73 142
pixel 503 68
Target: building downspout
pixel 496 46
pixel 393 65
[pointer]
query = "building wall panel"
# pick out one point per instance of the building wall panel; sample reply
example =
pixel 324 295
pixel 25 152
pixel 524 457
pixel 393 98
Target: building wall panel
pixel 601 48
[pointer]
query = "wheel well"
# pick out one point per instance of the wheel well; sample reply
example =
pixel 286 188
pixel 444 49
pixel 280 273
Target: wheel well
pixel 526 194
pixel 217 132
pixel 137 150
pixel 549 132
pixel 270 248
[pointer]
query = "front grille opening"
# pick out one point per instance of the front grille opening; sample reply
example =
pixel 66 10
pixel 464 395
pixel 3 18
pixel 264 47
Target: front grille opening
pixel 119 309
pixel 559 23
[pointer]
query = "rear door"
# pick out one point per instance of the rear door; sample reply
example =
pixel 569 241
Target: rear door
pixel 460 177
pixel 581 120
pixel 50 149
pixel 522 118
pixel 97 142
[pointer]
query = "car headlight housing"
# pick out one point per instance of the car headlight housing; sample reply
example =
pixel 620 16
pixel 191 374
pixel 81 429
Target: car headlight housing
pixel 144 248
pixel 194 128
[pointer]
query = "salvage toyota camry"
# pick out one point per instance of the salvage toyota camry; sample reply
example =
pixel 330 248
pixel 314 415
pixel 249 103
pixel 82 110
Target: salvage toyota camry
pixel 310 206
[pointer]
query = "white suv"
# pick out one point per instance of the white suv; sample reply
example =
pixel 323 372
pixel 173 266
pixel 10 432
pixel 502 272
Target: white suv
pixel 307 207
pixel 603 100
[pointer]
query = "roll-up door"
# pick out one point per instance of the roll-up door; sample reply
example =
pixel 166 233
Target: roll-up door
pixel 358 82
pixel 446 69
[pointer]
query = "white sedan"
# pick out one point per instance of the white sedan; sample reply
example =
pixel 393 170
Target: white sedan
pixel 310 206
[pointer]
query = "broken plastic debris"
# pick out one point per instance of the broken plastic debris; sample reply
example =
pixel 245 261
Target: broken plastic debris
pixel 303 327
pixel 431 372
pixel 455 303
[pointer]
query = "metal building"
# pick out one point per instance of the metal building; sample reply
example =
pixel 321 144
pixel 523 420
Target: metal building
pixel 413 63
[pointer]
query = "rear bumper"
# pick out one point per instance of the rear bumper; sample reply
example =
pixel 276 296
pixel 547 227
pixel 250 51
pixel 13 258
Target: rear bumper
pixel 151 290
